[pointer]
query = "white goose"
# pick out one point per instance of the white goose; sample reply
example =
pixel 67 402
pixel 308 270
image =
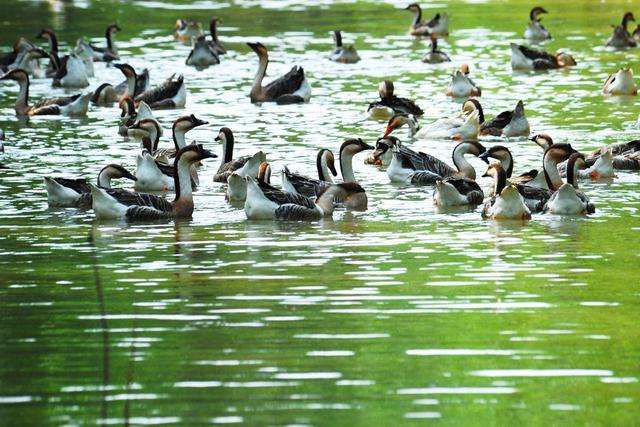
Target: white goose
pixel 506 202
pixel 567 200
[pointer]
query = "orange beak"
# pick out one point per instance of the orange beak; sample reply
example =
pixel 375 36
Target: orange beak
pixel 387 131
pixel 456 137
pixel 594 175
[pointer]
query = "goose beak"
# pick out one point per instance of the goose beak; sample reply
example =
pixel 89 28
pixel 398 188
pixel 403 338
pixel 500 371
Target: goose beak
pixel 366 146
pixel 387 131
pixel 206 154
pixel 199 122
pixel 484 157
pixel 130 176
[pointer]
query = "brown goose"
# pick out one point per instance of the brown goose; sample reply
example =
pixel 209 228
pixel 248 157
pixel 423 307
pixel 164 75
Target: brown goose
pixel 109 53
pixel 230 165
pixel 292 88
pixel 170 94
pixel 69 105
pixel 438 25
pixel 130 206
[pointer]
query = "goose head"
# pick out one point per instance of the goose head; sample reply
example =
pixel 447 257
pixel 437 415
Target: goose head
pixel 259 49
pixel 384 147
pixel 114 171
pixel 544 141
pixel 354 146
pixel 628 16
pixel 559 152
pixel 399 120
pixel 194 153
pixel 127 70
pixel 113 28
pixel 464 69
pixel 186 123
pixel 471 105
pixel 18 75
pixel 533 15
pixel 326 156
pixel 500 153
pixel 565 60
pixel 385 89
pixel 413 7
pixel 225 135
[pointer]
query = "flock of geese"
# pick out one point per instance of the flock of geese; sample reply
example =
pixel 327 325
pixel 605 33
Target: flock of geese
pixel 300 197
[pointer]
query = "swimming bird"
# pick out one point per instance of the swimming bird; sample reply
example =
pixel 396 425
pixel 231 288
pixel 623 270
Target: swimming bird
pixel 130 206
pixel 508 123
pixel 567 200
pixel 28 60
pixel 172 93
pixel 310 187
pixel 461 86
pixel 435 56
pixel 390 104
pixel 107 94
pixel 129 116
pixel 141 83
pixel 292 88
pixel 215 43
pixel 20 47
pixel 624 156
pixel 186 30
pixel 109 53
pixel 76 193
pixel 202 54
pixel 151 127
pixel 71 73
pixel 535 31
pixel 50 36
pixel 417 168
pixel 267 202
pixel 620 83
pixel 84 51
pixel 438 25
pixel 229 165
pixel 506 202
pixel 69 105
pixel 524 58
pixel 621 37
pixel 346 54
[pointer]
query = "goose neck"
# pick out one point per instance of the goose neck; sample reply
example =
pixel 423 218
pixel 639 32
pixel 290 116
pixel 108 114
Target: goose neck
pixel 256 90
pixel 346 166
pixel 464 167
pixel 551 174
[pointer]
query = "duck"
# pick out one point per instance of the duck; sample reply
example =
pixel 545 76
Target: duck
pixel 291 88
pixel 229 165
pixel 435 56
pixel 390 104
pixel 567 200
pixel 106 94
pixel 461 86
pixel 129 116
pixel 417 168
pixel 71 73
pixel 267 202
pixel 186 30
pixel 508 123
pixel 620 83
pixel 202 54
pixel 525 58
pixel 506 203
pixel 535 31
pixel 109 53
pixel 310 187
pixel 345 54
pixel 172 93
pixel 68 105
pixel 76 193
pixel 215 43
pixel 130 206
pixel 621 37
pixel 438 25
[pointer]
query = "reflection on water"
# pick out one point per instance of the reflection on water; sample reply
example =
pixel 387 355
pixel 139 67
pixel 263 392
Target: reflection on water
pixel 221 320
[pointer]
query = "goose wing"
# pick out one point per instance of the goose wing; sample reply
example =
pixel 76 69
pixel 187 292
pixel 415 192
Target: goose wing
pixel 295 212
pixel 168 89
pixel 525 177
pixel 284 197
pixel 405 105
pixel 230 167
pixel 420 161
pixel 146 213
pixel 307 186
pixel 287 84
pixel 536 54
pixel 129 198
pixel 52 109
pixel 544 64
pixel 60 100
pixel 467 187
pixel 78 185
pixel 534 197
pixel 498 122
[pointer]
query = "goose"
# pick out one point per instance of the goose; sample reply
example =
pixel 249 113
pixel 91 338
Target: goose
pixel 129 116
pixel 71 73
pixel 506 202
pixel 76 193
pixel 170 94
pixel 109 53
pixel 236 182
pixel 215 44
pixel 390 104
pixel 625 156
pixel 267 202
pixel 438 25
pixel 620 83
pixel 435 56
pixel 417 168
pixel 186 30
pixel 106 94
pixel 567 200
pixel 202 54
pixel 461 86
pixel 383 152
pixel 27 60
pixel 21 46
pixel 508 123
pixel 69 105
pixel 130 206
pixel 345 54
pixel 535 31
pixel 150 127
pixel 310 187
pixel 291 88
pixel 141 83
pixel 621 37
pixel 534 196
pixel 84 51
pixel 50 36
pixel 230 165
pixel 457 191
pixel 524 58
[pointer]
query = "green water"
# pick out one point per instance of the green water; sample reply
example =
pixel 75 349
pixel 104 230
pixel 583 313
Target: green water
pixel 402 314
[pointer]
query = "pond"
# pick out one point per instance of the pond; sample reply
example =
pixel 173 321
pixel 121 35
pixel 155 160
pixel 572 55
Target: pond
pixel 394 315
